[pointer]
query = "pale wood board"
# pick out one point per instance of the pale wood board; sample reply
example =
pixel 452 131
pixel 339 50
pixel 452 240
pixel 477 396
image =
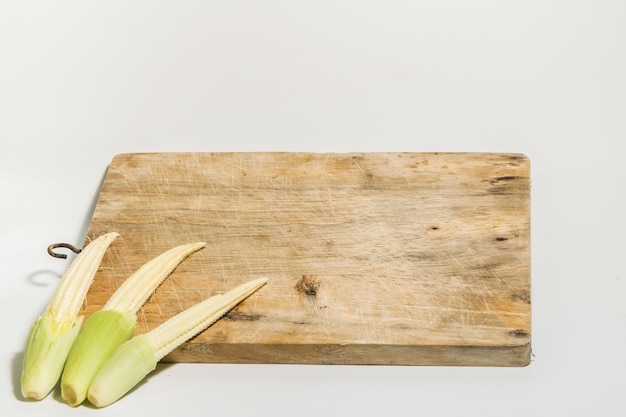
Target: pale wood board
pixel 372 258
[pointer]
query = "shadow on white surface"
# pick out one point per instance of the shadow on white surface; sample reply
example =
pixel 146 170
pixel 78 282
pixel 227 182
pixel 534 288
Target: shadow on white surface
pixel 44 277
pixel 16 373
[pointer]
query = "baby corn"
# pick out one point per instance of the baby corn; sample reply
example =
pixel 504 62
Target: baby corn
pixel 108 328
pixel 137 357
pixel 52 334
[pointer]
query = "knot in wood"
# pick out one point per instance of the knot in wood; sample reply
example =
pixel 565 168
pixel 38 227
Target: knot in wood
pixel 308 285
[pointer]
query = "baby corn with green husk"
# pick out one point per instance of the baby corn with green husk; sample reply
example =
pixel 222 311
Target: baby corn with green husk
pixel 53 333
pixel 137 357
pixel 115 323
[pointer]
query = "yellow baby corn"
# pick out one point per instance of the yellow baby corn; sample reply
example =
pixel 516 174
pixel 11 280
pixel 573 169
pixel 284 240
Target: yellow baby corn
pixel 52 334
pixel 137 357
pixel 108 328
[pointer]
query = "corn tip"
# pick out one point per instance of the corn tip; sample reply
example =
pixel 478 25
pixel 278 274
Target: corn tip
pixel 137 288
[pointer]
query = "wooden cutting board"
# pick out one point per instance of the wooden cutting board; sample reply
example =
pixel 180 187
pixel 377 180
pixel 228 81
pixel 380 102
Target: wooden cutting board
pixel 372 258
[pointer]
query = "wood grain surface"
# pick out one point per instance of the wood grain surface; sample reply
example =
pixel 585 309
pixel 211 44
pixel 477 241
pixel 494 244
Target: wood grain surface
pixel 372 258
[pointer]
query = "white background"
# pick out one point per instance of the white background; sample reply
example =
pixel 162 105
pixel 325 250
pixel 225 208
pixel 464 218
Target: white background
pixel 81 81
